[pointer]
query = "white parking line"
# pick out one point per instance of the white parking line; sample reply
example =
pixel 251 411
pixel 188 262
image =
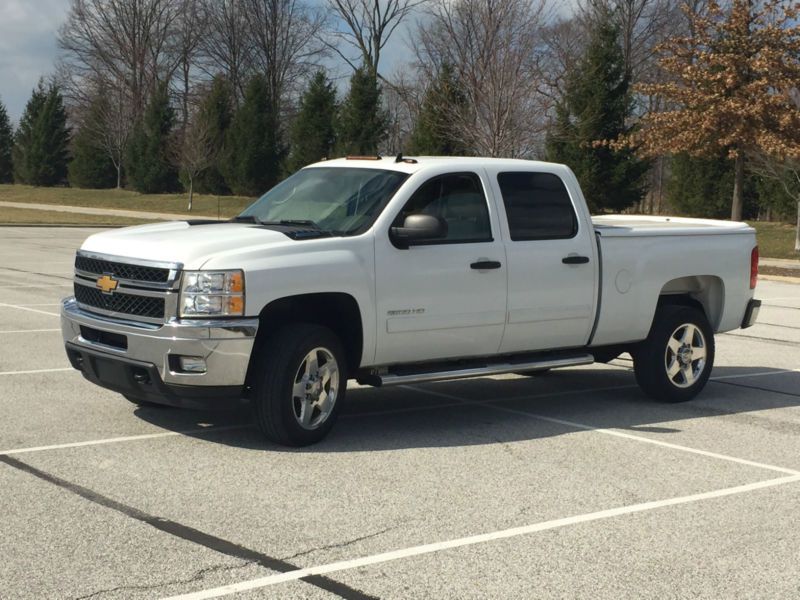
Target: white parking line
pixel 759 374
pixel 35 310
pixel 483 538
pixel 36 371
pixel 719 377
pixel 40 304
pixel 615 433
pixel 34 285
pixel 117 440
pixel 28 330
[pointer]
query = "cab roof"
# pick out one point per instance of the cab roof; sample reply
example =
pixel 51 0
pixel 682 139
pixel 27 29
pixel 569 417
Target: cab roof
pixel 412 164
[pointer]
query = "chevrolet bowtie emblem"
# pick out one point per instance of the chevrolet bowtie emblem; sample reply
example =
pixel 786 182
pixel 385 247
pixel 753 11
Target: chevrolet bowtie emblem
pixel 107 284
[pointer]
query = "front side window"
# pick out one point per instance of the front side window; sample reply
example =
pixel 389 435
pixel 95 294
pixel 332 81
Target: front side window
pixel 458 200
pixel 538 206
pixel 339 200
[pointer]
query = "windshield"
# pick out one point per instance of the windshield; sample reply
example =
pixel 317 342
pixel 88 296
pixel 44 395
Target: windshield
pixel 337 200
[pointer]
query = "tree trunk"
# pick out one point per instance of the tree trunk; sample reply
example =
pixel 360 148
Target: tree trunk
pixel 738 188
pixel 119 176
pixel 797 231
pixel 191 192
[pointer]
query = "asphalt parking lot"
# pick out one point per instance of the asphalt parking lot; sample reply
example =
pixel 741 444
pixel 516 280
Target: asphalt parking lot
pixel 570 485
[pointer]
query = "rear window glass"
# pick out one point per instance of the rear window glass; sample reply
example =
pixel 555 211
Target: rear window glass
pixel 538 206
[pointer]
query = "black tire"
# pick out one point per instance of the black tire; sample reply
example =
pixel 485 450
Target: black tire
pixel 667 348
pixel 277 409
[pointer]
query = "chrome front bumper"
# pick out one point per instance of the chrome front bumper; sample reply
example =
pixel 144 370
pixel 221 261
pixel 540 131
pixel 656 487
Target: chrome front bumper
pixel 225 345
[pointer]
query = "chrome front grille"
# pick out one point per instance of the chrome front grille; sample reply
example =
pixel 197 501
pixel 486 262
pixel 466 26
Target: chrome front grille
pixel 121 270
pixel 128 304
pixel 145 290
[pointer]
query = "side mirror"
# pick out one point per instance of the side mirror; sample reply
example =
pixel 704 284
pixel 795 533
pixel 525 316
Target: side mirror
pixel 418 228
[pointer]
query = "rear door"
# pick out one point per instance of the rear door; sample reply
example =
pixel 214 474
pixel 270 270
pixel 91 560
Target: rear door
pixel 551 256
pixel 444 298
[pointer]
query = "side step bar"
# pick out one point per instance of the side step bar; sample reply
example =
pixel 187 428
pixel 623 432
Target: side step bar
pixel 380 380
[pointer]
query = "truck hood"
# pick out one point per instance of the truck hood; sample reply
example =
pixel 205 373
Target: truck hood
pixel 183 242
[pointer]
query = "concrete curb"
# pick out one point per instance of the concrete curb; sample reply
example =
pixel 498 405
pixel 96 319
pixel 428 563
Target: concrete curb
pixel 783 278
pixel 66 225
pixel 109 212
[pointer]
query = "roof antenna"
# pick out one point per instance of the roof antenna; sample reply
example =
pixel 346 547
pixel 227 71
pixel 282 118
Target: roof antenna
pixel 399 158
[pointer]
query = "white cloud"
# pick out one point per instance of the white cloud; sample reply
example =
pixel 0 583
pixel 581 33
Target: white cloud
pixel 28 48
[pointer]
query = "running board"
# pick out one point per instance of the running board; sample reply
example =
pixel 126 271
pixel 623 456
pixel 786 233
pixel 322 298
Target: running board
pixel 386 379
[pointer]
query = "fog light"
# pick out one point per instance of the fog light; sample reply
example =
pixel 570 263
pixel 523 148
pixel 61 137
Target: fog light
pixel 192 364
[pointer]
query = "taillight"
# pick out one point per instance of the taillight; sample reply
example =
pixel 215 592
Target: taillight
pixel 754 268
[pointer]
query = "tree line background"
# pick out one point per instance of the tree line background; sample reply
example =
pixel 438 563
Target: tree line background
pixel 689 106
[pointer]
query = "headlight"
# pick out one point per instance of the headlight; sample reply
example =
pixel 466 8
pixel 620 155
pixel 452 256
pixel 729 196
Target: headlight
pixel 212 294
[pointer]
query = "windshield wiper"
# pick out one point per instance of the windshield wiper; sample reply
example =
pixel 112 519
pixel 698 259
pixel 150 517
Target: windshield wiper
pixel 289 223
pixel 303 222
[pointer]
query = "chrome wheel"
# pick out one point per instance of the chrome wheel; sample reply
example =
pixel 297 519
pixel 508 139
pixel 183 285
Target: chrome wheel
pixel 685 355
pixel 315 388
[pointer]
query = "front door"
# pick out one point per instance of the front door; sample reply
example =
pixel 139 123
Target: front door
pixel 443 298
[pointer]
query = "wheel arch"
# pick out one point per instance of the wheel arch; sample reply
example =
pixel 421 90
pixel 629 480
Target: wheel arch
pixel 338 311
pixel 705 292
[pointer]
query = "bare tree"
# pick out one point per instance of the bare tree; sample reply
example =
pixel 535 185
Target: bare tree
pixel 402 99
pixel 366 26
pixel 286 43
pixel 786 173
pixel 225 43
pixel 110 120
pixel 121 41
pixel 189 31
pixel 563 45
pixel 643 25
pixel 194 151
pixel 493 47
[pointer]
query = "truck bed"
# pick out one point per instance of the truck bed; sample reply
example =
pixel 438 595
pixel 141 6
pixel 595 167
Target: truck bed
pixel 643 225
pixel 645 257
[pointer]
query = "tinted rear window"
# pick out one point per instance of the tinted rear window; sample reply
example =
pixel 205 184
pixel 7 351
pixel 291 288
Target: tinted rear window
pixel 538 206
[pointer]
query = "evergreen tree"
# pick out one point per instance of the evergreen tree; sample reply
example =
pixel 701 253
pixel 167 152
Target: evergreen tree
pixel 701 187
pixel 24 139
pixel 6 145
pixel 362 120
pixel 148 158
pixel 253 153
pixel 91 166
pixel 313 134
pixel 592 112
pixel 216 113
pixel 41 144
pixel 434 133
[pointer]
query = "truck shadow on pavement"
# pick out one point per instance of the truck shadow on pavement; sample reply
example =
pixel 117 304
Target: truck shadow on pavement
pixel 499 410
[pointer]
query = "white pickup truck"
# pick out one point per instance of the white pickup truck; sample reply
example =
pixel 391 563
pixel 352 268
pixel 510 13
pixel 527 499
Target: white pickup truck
pixel 398 270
